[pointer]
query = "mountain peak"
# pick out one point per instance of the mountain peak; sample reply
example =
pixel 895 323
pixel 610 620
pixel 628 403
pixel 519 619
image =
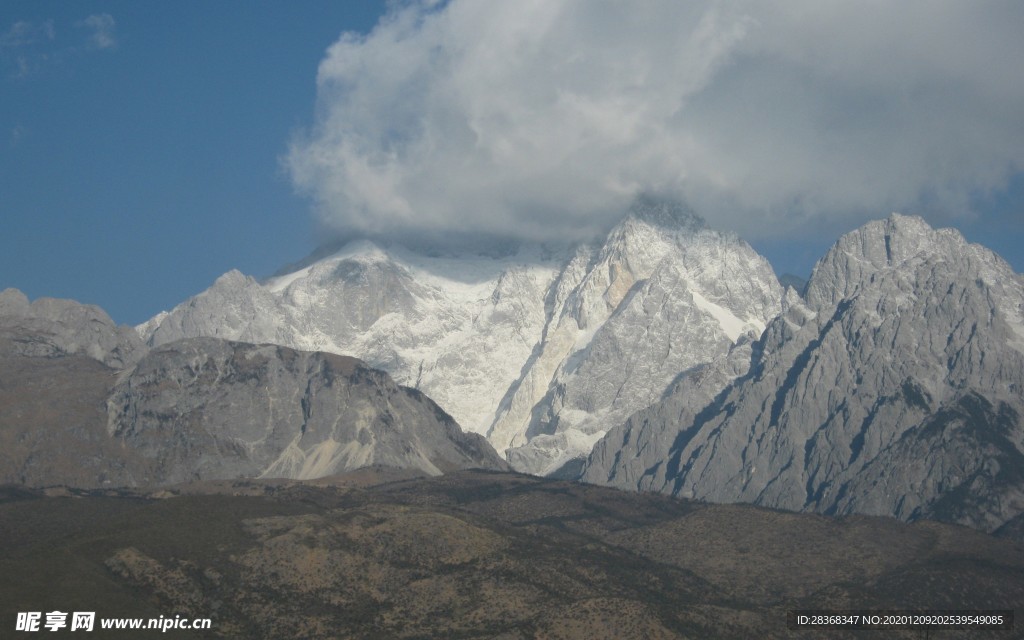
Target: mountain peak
pixel 904 222
pixel 669 214
pixel 897 238
pixel 13 302
pixel 897 242
pixel 892 388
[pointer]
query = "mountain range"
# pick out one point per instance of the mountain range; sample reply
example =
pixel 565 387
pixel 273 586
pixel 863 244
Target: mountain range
pixel 84 403
pixel 664 356
pixel 894 386
pixel 541 349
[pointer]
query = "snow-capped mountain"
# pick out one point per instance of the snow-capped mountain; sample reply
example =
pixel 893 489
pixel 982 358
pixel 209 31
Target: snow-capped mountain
pixel 543 350
pixel 662 295
pixel 895 387
pixel 457 328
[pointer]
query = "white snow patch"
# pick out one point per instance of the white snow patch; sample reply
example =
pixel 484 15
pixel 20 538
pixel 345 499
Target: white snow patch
pixel 364 249
pixel 280 283
pixel 732 326
pixel 1016 325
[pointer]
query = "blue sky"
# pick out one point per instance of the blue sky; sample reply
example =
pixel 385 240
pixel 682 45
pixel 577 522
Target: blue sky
pixel 147 148
pixel 132 176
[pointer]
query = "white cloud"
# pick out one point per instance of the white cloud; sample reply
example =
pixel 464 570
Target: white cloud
pixel 25 47
pixel 102 25
pixel 23 33
pixel 28 47
pixel 18 133
pixel 542 118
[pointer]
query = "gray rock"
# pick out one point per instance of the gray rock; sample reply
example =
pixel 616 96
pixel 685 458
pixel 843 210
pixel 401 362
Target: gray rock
pixel 83 403
pixel 205 408
pixel 632 454
pixel 49 327
pixel 13 303
pixel 896 388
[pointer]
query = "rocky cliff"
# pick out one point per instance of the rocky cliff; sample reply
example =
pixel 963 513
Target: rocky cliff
pixel 84 403
pixel 895 387
pixel 208 408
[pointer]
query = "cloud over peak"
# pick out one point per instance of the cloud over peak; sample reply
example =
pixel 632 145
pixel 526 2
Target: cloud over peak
pixel 540 119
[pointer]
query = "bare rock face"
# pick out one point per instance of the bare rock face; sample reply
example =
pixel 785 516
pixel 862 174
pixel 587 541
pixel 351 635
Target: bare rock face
pixel 630 455
pixel 542 350
pixel 52 327
pixel 84 403
pixel 207 408
pixel 895 388
pixel 664 294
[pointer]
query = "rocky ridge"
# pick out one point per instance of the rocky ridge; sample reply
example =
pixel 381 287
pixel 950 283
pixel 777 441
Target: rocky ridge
pixel 209 408
pixel 50 327
pixel 84 403
pixel 895 387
